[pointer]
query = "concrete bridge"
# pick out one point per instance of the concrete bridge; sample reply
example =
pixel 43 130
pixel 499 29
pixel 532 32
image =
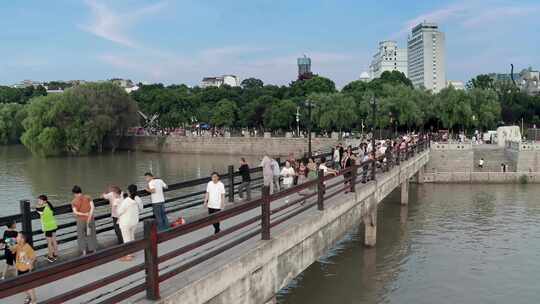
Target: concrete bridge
pixel 254 273
pixel 189 264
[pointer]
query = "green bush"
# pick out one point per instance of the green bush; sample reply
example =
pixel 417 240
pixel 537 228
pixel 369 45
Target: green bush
pixel 523 179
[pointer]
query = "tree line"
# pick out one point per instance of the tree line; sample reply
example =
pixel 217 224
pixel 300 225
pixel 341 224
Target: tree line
pixel 78 120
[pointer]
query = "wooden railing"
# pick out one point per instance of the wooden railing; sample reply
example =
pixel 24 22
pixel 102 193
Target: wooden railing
pixel 270 216
pixel 66 232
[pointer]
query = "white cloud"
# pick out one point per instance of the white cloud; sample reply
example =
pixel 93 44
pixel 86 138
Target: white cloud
pixel 114 26
pixel 470 14
pixel 279 69
pixel 497 14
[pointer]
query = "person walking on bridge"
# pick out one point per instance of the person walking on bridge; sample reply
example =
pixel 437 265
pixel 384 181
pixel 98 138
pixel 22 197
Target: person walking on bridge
pixel 246 180
pixel 214 198
pixel 83 208
pixel 277 174
pixel 155 188
pixel 268 173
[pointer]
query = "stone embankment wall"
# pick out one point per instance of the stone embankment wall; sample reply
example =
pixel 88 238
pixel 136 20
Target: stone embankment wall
pixel 457 163
pixel 274 146
pixel 450 157
pixel 525 155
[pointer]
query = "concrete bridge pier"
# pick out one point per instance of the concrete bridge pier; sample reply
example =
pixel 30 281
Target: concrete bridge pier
pixel 403 214
pixel 419 176
pixel 404 192
pixel 370 224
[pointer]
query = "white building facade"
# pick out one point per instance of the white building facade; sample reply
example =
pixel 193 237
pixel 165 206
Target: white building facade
pixel 388 58
pixel 426 57
pixel 230 80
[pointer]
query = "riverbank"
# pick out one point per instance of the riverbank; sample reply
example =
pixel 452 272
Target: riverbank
pixel 206 145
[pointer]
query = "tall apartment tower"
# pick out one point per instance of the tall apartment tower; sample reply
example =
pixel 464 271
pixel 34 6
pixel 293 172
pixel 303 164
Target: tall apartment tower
pixel 388 58
pixel 426 57
pixel 304 67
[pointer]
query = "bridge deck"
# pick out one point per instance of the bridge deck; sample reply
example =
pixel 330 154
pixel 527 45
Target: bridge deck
pixel 199 271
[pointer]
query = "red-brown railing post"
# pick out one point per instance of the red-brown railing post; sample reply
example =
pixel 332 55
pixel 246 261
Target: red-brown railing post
pixel 231 183
pixel 398 156
pixel 320 189
pixel 265 213
pixel 151 259
pixel 373 168
pixel 26 220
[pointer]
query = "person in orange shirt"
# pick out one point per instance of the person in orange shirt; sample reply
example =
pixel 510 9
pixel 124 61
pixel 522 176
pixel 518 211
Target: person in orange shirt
pixel 25 258
pixel 83 209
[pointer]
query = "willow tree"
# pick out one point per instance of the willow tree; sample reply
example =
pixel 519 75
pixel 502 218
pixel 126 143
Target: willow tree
pixel 77 121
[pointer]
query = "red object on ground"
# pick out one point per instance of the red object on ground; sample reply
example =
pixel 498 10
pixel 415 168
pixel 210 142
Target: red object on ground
pixel 180 221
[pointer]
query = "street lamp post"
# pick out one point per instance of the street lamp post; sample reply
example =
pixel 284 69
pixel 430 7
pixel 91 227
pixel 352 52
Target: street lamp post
pixel 308 102
pixel 374 110
pixel 298 121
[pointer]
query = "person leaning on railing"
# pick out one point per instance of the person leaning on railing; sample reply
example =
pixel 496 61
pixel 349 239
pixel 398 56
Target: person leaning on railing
pixel 83 209
pixel 114 196
pixel 48 225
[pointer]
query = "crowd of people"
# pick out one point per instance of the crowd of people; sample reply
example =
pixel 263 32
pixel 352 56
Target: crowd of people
pixel 126 206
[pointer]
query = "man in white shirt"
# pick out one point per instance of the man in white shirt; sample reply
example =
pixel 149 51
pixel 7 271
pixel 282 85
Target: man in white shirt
pixel 155 188
pixel 276 171
pixel 214 198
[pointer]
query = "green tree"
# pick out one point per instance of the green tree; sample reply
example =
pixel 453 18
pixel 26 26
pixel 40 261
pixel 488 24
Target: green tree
pixel 481 81
pixel 224 114
pixel 453 108
pixel 486 108
pixel 78 120
pixel 252 83
pixel 316 84
pixel 334 111
pixel 11 116
pixel 400 105
pixel 280 115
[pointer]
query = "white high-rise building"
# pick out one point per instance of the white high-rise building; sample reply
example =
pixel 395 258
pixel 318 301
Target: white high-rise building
pixel 388 58
pixel 426 57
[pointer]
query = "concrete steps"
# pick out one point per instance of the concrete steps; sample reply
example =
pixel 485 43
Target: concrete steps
pixel 493 158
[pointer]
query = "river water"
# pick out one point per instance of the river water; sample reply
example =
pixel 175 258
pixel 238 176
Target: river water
pixel 452 244
pixel 23 176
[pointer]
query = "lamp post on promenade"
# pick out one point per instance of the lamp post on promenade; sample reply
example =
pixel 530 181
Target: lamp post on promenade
pixel 309 104
pixel 298 121
pixel 374 110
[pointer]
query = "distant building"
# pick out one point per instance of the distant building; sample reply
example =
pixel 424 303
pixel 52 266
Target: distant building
pixel 388 58
pixel 27 83
pixel 365 77
pixel 458 85
pixel 528 80
pixel 304 68
pixel 426 57
pixel 230 80
pixel 123 83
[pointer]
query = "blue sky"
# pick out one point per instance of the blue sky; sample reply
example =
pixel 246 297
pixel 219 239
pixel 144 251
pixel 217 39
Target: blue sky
pixel 181 41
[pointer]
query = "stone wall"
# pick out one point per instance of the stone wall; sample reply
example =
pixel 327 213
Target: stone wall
pixel 525 155
pixel 450 157
pixel 481 177
pixel 274 146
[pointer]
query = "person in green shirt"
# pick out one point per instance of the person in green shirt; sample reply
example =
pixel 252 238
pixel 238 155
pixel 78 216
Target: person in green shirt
pixel 48 225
